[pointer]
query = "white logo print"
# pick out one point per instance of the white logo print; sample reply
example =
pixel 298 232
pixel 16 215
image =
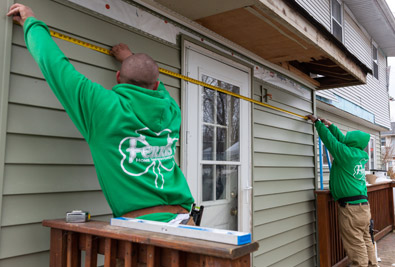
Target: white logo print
pixel 141 152
pixel 359 170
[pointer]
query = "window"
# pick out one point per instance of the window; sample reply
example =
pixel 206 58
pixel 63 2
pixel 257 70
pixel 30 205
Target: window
pixel 383 141
pixel 370 149
pixel 375 62
pixel 324 155
pixel 337 19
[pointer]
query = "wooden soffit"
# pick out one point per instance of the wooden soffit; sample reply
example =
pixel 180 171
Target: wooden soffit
pixel 281 32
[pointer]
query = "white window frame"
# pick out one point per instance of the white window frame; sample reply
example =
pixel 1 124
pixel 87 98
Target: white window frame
pixel 375 60
pixel 374 154
pixel 340 23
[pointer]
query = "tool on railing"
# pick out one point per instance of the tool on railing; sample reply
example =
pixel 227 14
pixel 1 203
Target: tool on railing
pixel 197 213
pixel 77 216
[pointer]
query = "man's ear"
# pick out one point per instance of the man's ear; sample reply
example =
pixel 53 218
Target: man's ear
pixel 118 75
pixel 156 86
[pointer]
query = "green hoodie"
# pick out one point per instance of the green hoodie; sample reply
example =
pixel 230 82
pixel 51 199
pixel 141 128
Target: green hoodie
pixel 131 131
pixel 347 176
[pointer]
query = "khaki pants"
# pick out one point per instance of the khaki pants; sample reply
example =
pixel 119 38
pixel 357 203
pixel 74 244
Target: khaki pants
pixel 354 223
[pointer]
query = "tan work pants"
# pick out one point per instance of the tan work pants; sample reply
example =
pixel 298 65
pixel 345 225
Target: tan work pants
pixel 354 230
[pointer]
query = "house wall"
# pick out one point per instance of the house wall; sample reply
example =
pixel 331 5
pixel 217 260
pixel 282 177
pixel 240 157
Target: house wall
pixel 319 9
pixel 48 169
pixel 372 96
pixel 283 175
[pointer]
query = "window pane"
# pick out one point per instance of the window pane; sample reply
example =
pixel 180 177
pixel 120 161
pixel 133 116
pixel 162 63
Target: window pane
pixel 222 112
pixel 375 70
pixel 222 174
pixel 371 155
pixel 208 105
pixel 208 181
pixel 222 109
pixel 222 141
pixel 208 142
pixel 337 11
pixel 374 53
pixel 337 30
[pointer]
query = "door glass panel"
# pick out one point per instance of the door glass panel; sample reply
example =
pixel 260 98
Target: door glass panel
pixel 208 142
pixel 221 122
pixel 208 182
pixel 208 105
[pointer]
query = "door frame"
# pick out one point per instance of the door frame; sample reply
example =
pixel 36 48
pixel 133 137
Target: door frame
pixel 245 185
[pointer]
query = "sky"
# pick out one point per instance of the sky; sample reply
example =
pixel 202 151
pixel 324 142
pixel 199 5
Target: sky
pixel 391 62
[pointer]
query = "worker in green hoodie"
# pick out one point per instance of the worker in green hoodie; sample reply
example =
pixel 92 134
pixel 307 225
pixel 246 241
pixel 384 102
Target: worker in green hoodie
pixel 132 130
pixel 348 186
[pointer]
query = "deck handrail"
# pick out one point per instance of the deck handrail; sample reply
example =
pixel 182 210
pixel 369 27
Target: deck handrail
pixel 136 247
pixel 331 252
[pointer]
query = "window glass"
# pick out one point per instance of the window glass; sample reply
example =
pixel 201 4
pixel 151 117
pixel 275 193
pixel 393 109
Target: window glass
pixel 220 141
pixel 337 11
pixel 375 62
pixel 337 20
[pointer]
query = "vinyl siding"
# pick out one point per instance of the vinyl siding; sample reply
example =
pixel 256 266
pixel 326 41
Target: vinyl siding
pixel 356 41
pixel 373 95
pixel 319 9
pixel 283 175
pixel 48 169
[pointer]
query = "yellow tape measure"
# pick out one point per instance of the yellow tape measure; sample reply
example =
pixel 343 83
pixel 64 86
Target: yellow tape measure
pixel 170 73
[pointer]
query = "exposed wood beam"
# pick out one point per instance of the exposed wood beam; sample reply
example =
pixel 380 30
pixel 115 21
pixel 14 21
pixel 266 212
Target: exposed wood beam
pixel 280 11
pixel 298 72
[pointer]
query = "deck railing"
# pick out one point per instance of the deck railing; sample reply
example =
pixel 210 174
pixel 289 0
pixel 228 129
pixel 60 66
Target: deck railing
pixel 137 248
pixel 330 246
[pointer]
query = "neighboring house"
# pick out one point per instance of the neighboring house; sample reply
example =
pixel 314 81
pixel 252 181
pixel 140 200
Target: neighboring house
pixel 388 147
pixel 253 167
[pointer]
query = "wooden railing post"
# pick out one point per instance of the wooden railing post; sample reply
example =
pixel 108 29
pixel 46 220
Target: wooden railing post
pixel 73 252
pixel 57 257
pixel 323 218
pixel 391 204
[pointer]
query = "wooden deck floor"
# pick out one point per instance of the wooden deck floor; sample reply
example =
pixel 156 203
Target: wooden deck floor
pixel 386 250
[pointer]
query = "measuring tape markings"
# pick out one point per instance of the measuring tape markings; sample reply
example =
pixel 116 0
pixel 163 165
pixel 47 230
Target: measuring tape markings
pixel 170 73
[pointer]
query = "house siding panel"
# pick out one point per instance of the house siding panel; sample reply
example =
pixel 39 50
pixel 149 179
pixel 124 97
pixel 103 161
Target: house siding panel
pixel 319 9
pixel 372 96
pixel 48 167
pixel 356 41
pixel 283 174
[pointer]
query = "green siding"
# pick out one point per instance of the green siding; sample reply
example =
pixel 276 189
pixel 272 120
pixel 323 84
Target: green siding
pixel 284 181
pixel 48 169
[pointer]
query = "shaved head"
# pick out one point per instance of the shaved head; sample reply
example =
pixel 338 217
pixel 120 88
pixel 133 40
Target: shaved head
pixel 140 70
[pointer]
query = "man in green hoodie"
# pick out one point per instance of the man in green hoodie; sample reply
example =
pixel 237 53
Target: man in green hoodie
pixel 348 186
pixel 132 130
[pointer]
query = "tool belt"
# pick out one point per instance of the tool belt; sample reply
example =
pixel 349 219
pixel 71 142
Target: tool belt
pixel 343 201
pixel 176 209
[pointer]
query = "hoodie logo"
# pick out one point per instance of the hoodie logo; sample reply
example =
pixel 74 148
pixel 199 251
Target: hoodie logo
pixel 137 151
pixel 359 170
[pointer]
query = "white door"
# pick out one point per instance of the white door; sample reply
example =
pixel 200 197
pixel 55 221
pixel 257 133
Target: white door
pixel 217 137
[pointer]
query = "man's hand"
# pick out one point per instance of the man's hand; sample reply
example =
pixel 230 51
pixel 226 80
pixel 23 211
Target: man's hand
pixel 312 118
pixel 121 52
pixel 326 122
pixel 20 13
